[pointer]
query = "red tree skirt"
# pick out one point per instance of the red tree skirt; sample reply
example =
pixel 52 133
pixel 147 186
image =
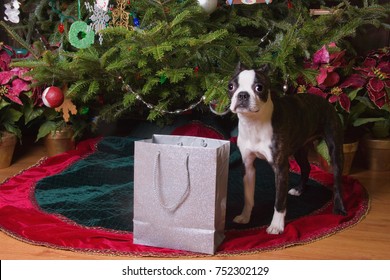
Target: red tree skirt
pixel 21 218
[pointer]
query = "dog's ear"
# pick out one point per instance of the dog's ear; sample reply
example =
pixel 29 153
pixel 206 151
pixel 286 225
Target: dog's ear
pixel 263 68
pixel 240 67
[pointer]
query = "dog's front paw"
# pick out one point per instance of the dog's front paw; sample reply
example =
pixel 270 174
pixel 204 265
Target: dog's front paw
pixel 277 224
pixel 241 219
pixel 275 229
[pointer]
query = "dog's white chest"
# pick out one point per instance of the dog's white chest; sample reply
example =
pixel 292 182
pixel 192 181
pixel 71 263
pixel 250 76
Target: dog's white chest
pixel 256 140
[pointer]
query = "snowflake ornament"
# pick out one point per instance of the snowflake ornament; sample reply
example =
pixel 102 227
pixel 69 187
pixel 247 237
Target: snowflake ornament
pixel 99 18
pixel 12 11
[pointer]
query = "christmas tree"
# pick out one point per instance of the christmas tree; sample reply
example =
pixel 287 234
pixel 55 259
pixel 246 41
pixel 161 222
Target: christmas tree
pixel 174 56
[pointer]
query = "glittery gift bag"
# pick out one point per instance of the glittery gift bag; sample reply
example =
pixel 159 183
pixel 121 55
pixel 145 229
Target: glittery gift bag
pixel 180 186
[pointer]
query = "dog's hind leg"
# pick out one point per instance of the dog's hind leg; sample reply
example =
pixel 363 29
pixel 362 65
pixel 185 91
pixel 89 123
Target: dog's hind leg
pixel 281 186
pixel 301 156
pixel 336 155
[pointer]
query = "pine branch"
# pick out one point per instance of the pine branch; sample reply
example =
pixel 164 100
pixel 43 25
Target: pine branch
pixel 17 38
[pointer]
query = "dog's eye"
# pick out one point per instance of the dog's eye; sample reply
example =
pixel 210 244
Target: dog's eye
pixel 231 86
pixel 259 88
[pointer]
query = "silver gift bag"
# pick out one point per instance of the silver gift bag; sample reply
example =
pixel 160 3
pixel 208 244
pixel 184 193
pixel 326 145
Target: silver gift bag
pixel 180 186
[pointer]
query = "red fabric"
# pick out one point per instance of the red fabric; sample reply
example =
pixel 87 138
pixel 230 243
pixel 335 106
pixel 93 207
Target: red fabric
pixel 21 218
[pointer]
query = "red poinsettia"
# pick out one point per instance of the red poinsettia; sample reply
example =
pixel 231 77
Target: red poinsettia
pixel 376 70
pixel 327 61
pixel 13 80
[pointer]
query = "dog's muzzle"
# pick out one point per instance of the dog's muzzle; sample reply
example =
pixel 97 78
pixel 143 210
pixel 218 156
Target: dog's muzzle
pixel 243 99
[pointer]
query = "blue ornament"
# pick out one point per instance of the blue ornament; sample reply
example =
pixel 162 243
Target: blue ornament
pixel 136 21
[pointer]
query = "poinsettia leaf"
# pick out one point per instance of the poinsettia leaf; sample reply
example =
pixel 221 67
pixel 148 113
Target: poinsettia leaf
pixel 30 112
pixel 11 116
pixel 369 62
pixel 14 129
pixel 5 77
pixel 45 129
pixel 317 91
pixel 384 66
pixel 5 60
pixel 20 85
pixel 374 95
pixel 362 121
pixel 331 79
pixel 3 104
pixel 354 81
pixel 344 102
pixel 376 84
pixel 380 102
pixel 333 98
pixel 322 150
pixel 353 94
pixel 21 73
pixel 321 56
pixel 322 75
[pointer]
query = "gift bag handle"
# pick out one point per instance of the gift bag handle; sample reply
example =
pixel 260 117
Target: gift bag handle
pixel 157 186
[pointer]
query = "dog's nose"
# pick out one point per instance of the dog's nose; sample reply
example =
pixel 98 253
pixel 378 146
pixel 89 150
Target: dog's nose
pixel 243 96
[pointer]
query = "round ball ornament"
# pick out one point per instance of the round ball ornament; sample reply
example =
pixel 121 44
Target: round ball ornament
pixel 80 36
pixel 208 6
pixel 52 97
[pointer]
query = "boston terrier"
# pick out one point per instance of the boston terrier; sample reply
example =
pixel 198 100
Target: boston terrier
pixel 273 128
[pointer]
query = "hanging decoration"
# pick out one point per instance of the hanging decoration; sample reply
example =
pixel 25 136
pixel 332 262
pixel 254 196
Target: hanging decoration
pixel 247 2
pixel 52 97
pixel 208 6
pixel 128 89
pixel 67 108
pixel 12 11
pixel 102 4
pixel 135 19
pixel 99 18
pixel 61 28
pixel 119 15
pixel 80 36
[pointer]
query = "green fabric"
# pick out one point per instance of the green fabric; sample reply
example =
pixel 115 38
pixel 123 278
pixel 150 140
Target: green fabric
pixel 98 190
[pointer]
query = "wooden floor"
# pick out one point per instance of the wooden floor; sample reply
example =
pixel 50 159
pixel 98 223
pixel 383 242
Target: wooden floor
pixel 369 239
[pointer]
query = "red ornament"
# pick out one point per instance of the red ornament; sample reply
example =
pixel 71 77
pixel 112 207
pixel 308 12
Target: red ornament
pixel 61 28
pixel 52 97
pixel 290 5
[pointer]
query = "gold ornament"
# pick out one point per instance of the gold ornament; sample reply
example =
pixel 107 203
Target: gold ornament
pixel 119 15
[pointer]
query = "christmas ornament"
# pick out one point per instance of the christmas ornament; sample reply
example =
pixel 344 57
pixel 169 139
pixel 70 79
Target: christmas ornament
pixel 61 28
pixel 247 2
pixel 99 19
pixel 52 97
pixel 79 35
pixel 102 4
pixel 12 11
pixel 162 111
pixel 67 108
pixel 135 19
pixel 208 6
pixel 119 16
pixel 213 108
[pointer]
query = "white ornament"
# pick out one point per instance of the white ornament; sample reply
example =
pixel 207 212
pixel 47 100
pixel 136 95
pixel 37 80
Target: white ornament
pixel 102 4
pixel 208 6
pixel 99 19
pixel 12 11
